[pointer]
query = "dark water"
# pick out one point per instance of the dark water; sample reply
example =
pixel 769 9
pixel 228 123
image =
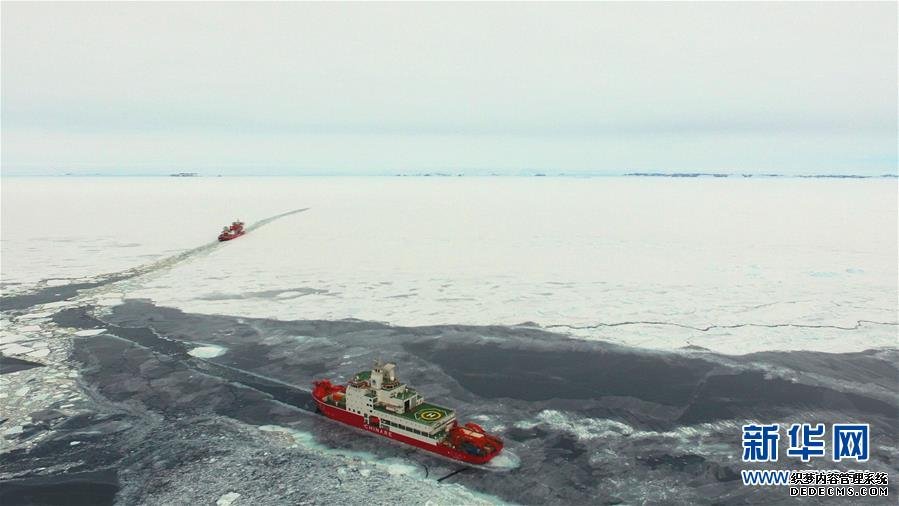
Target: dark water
pixel 12 364
pixel 47 295
pixel 94 488
pixel 592 422
pixel 700 390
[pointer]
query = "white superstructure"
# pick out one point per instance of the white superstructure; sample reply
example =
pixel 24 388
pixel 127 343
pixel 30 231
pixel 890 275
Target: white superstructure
pixel 383 401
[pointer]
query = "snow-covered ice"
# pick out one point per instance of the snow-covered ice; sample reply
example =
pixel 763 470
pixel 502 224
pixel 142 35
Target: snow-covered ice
pixel 730 265
pixel 36 316
pixel 89 332
pixel 227 499
pixel 41 353
pixel 14 349
pixel 72 229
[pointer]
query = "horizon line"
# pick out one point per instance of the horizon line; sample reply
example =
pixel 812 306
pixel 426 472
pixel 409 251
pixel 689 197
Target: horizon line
pixel 444 174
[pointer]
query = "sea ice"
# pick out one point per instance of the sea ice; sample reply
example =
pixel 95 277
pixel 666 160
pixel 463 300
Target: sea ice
pixel 36 316
pixel 89 332
pixel 209 351
pixel 109 301
pixel 732 266
pixel 41 353
pixel 14 349
pixel 227 499
pixel 394 467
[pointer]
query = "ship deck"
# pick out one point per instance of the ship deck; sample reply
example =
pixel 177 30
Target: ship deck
pixel 425 413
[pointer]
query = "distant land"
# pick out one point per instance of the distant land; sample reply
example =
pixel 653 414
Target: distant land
pixel 714 174
pixel 652 174
pixel 445 174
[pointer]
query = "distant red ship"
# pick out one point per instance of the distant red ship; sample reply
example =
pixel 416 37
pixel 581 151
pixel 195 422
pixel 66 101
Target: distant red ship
pixel 377 402
pixel 234 231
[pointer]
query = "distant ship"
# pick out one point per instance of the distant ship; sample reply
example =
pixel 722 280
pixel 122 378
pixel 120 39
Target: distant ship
pixel 377 402
pixel 185 174
pixel 234 231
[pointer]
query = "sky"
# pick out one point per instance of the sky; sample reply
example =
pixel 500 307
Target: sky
pixel 475 88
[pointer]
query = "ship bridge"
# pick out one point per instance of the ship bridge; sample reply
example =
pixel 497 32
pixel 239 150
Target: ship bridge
pixel 378 393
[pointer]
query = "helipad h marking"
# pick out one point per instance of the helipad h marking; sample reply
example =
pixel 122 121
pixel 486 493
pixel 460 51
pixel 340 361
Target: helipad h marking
pixel 430 415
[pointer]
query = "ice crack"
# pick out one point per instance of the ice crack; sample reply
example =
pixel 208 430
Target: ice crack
pixel 858 324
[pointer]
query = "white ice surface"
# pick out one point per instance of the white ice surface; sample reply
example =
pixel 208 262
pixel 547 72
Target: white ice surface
pixel 14 349
pixel 393 466
pixel 446 493
pixel 89 332
pixel 209 351
pixel 766 263
pixel 66 229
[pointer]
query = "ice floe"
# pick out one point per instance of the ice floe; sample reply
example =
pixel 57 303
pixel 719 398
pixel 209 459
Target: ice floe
pixel 109 301
pixel 35 316
pixel 227 499
pixel 89 332
pixel 14 349
pixel 208 351
pixel 41 353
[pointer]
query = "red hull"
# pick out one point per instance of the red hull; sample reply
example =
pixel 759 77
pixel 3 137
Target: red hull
pixel 228 237
pixel 358 421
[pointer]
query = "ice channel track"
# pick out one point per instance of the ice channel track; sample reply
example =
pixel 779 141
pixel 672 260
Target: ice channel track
pixel 287 394
pixel 106 283
pixel 169 262
pixel 284 393
pixel 858 324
